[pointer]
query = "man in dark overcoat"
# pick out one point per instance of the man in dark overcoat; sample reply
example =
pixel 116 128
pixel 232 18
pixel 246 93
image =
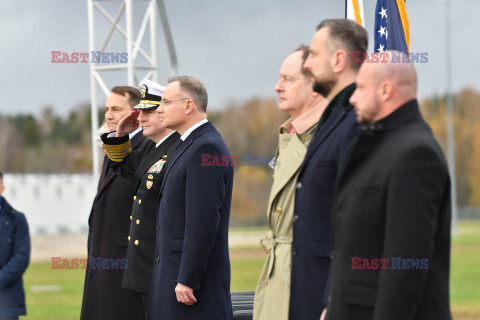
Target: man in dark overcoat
pixel 109 225
pixel 391 217
pixel 329 61
pixel 191 277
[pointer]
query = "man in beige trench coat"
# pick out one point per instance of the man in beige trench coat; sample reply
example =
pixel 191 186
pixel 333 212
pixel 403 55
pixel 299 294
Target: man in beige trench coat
pixel 305 107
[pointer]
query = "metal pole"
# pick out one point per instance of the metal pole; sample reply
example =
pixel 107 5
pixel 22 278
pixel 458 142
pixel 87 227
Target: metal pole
pixel 93 93
pixel 129 23
pixel 168 36
pixel 450 132
pixel 153 39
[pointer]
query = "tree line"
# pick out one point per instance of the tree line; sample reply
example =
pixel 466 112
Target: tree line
pixel 52 144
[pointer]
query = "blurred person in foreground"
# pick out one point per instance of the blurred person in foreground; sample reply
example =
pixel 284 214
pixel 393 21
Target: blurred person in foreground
pixel 191 277
pixel 14 259
pixel 304 106
pixel 392 206
pixel 109 224
pixel 334 74
pixel 147 167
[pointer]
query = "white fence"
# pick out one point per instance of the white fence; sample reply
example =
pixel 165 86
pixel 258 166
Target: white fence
pixel 52 203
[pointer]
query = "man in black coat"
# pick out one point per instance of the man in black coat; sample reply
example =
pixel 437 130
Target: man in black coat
pixel 191 276
pixel 14 259
pixel 147 168
pixel 334 73
pixel 391 236
pixel 109 222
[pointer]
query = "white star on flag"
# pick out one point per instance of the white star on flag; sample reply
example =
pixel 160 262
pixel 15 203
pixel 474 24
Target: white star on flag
pixel 383 13
pixel 383 31
pixel 381 49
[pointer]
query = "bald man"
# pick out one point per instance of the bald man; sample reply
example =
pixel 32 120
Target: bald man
pixel 391 218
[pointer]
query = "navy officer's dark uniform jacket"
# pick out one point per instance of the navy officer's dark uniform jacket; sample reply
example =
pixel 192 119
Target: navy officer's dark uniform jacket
pixel 392 201
pixel 109 221
pixel 192 240
pixel 147 167
pixel 14 259
pixel 313 203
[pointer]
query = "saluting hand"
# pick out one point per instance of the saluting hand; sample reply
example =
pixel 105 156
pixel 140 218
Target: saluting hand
pixel 185 295
pixel 128 124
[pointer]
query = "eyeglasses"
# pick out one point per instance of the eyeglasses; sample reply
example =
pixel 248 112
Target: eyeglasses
pixel 164 103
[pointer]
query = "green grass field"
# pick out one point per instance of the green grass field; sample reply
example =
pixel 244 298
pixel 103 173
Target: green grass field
pixel 246 265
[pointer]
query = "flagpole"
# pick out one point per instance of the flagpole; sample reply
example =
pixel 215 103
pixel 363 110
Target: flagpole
pixel 450 132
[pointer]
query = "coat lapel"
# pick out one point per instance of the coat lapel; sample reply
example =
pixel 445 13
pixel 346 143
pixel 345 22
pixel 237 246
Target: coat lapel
pixel 184 146
pixel 295 152
pixel 336 117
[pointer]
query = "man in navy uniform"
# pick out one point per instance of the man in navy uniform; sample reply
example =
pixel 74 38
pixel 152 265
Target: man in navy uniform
pixel 147 167
pixel 191 277
pixel 14 259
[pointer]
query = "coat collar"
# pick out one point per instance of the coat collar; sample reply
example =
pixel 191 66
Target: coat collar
pixel 403 115
pixel 204 128
pixel 331 117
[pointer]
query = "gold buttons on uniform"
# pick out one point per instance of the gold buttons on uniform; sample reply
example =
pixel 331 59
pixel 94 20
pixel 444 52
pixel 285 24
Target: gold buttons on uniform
pixel 278 211
pixel 150 176
pixel 131 217
pixel 134 198
pixel 138 221
pixel 128 238
pixel 136 242
pixel 140 201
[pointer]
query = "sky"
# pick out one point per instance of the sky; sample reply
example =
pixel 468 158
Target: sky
pixel 235 47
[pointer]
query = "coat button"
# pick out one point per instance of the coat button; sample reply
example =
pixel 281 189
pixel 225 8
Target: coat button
pixel 158 258
pixel 138 221
pixel 299 185
pixel 136 242
pixel 140 201
pixel 158 227
pixel 295 218
pixel 279 211
pixel 131 218
pixel 128 238
pixel 134 198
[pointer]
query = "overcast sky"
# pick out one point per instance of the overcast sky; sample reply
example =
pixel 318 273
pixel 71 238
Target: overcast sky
pixel 235 47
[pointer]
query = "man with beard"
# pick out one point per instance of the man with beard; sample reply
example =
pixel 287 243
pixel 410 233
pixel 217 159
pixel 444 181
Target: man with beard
pixel 330 62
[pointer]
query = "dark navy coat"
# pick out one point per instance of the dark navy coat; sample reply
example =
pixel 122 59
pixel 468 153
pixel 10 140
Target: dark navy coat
pixel 192 236
pixel 14 259
pixel 313 204
pixel 109 222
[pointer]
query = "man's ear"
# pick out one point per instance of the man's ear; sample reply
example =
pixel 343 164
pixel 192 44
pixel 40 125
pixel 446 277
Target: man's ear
pixel 2 188
pixel 385 90
pixel 189 107
pixel 339 61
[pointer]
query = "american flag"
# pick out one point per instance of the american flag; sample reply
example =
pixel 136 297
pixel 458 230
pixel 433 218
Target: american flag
pixel 392 30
